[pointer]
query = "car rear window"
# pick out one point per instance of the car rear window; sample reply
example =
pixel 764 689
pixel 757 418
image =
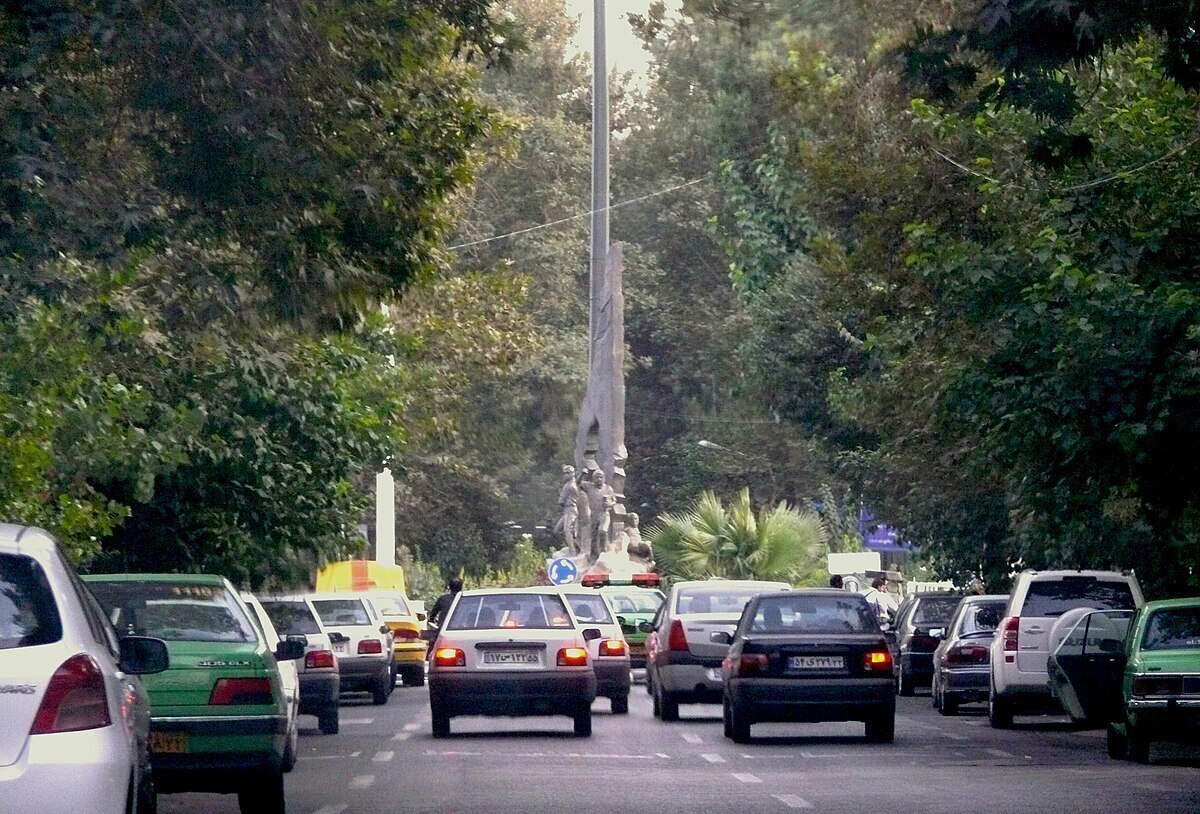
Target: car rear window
pixel 982 617
pixel 177 612
pixel 1054 597
pixel 529 611
pixel 342 612
pixel 636 601
pixel 590 609
pixel 291 618
pixel 797 614
pixel 28 612
pixel 391 605
pixel 935 610
pixel 716 599
pixel 1172 629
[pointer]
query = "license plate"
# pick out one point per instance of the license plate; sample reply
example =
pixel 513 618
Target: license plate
pixel 714 674
pixel 168 742
pixel 511 657
pixel 817 663
pixel 339 647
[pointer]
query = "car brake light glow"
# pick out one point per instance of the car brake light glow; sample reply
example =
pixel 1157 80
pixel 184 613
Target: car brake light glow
pixel 238 691
pixel 407 634
pixel 1157 685
pixel 877 661
pixel 75 699
pixel 676 639
pixel 1011 632
pixel 646 580
pixel 320 658
pixel 612 647
pixel 594 580
pixel 369 646
pixel 449 657
pixel 572 657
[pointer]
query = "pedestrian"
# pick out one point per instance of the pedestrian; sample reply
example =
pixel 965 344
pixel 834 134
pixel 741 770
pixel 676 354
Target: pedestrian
pixel 877 598
pixel 835 581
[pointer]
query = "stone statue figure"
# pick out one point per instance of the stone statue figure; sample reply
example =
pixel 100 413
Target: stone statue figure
pixel 568 502
pixel 583 513
pixel 639 550
pixel 601 500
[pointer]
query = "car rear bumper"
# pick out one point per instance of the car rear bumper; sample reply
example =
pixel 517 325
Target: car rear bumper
pixel 818 699
pixel 612 677
pixel 411 653
pixel 69 771
pixel 965 683
pixel 217 752
pixel 917 664
pixel 696 683
pixel 362 674
pixel 511 693
pixel 318 691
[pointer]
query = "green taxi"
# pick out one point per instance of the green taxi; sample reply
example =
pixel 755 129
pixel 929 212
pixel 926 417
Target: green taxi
pixel 635 602
pixel 218 715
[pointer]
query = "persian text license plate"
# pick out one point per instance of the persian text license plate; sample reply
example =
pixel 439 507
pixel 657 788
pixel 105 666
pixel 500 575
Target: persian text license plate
pixel 511 657
pixel 817 663
pixel 168 742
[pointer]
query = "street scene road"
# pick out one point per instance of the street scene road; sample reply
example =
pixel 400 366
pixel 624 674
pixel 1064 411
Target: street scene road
pixel 386 760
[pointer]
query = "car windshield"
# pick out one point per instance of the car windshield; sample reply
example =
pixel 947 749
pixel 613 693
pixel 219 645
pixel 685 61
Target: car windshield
pixel 28 613
pixel 1172 629
pixel 177 612
pixel 982 617
pixel 717 599
pixel 1054 597
pixel 636 601
pixel 935 610
pixel 291 618
pixel 590 609
pixel 813 614
pixel 342 611
pixel 530 611
pixel 390 605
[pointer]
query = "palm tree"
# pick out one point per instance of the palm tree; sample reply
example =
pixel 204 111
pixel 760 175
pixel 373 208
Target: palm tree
pixel 780 543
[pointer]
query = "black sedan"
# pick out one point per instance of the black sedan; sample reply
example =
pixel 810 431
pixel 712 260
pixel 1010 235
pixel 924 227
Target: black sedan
pixel 806 656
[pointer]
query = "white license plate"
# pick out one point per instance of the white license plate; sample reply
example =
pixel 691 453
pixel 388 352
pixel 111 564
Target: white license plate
pixel 511 657
pixel 817 663
pixel 714 674
pixel 339 647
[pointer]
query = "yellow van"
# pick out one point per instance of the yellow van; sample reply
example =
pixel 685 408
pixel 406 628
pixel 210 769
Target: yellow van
pixel 361 575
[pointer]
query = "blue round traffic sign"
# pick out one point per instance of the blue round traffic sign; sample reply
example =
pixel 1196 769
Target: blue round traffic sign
pixel 563 571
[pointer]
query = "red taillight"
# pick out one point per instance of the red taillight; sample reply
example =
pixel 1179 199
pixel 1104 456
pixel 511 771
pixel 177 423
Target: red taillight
pixel 594 580
pixel 877 661
pixel 1010 631
pixel 572 657
pixel 368 647
pixel 1157 685
pixel 752 663
pixel 612 647
pixel 74 699
pixel 676 640
pixel 967 654
pixel 238 691
pixel 923 640
pixel 406 634
pixel 320 658
pixel 449 657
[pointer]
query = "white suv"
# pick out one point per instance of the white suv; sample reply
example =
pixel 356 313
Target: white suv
pixel 1021 647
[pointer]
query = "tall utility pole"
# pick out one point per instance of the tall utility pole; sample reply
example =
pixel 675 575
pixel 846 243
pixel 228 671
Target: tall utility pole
pixel 600 139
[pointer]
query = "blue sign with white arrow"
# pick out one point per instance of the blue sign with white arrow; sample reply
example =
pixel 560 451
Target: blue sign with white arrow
pixel 562 571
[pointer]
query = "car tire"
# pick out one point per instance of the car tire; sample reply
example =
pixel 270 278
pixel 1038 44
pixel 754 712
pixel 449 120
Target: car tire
pixel 904 683
pixel 727 719
pixel 290 751
pixel 414 678
pixel 382 690
pixel 327 720
pixel 656 706
pixel 620 705
pixel 948 704
pixel 583 723
pixel 1117 743
pixel 668 706
pixel 441 722
pixel 881 728
pixel 263 794
pixel 1139 744
pixel 1000 711
pixel 649 682
pixel 739 723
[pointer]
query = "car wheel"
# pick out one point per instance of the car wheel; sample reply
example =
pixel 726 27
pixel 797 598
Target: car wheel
pixel 1117 743
pixel 583 723
pixel 382 689
pixel 948 704
pixel 882 728
pixel 441 722
pixel 327 719
pixel 263 794
pixel 1000 711
pixel 1139 744
pixel 620 705
pixel 904 683
pixel 727 718
pixel 656 705
pixel 414 678
pixel 649 682
pixel 290 752
pixel 739 723
pixel 668 707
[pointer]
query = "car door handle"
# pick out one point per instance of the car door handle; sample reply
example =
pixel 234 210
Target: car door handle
pixel 1035 630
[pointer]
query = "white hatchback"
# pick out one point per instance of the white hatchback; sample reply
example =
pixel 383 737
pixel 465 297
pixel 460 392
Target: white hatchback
pixel 361 641
pixel 512 652
pixel 610 652
pixel 76 719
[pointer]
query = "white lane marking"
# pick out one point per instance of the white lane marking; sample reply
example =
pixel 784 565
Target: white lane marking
pixel 363 781
pixel 335 809
pixel 324 757
pixel 660 754
pixel 356 721
pixel 954 737
pixel 1154 787
pixel 383 757
pixel 713 758
pixel 356 754
pixel 412 727
pixel 746 778
pixel 692 737
pixel 402 736
pixel 1000 753
pixel 578 755
pixel 792 801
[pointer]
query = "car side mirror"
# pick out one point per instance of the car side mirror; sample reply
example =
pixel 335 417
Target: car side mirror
pixel 429 634
pixel 338 638
pixel 291 648
pixel 591 633
pixel 886 627
pixel 645 627
pixel 143 655
pixel 384 629
pixel 720 637
pixel 937 633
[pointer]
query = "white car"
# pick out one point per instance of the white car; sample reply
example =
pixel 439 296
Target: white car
pixel 512 652
pixel 362 643
pixel 76 718
pixel 289 676
pixel 1019 679
pixel 320 678
pixel 609 652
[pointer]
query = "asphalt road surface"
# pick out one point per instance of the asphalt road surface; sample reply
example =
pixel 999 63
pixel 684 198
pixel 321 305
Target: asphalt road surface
pixel 385 760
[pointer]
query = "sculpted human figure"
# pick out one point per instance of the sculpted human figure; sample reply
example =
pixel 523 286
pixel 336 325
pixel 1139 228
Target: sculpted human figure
pixel 639 550
pixel 601 499
pixel 568 502
pixel 583 514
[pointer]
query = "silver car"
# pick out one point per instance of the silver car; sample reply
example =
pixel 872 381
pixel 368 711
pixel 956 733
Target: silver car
pixel 76 718
pixel 685 667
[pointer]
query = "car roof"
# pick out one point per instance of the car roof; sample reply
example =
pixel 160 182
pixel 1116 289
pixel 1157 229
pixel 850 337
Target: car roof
pixel 732 583
pixel 1177 602
pixel 185 579
pixel 25 539
pixel 973 598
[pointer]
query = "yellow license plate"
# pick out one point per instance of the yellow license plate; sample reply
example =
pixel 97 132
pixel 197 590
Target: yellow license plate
pixel 168 742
